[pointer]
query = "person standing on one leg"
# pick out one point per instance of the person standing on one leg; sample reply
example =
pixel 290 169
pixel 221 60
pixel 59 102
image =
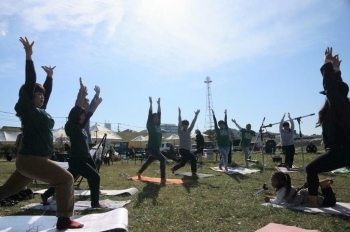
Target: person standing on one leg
pixel 199 144
pixel 287 141
pixel 184 133
pixel 223 140
pixel 33 161
pixel 334 117
pixel 246 138
pixel 232 136
pixel 154 142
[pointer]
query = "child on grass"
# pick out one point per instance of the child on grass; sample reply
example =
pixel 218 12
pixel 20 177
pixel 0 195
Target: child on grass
pixel 281 182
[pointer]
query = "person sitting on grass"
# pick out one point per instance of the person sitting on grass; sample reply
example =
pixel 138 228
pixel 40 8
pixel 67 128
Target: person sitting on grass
pixel 184 133
pixel 285 193
pixel 311 148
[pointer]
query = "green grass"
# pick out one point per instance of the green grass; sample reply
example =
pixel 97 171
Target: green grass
pixel 220 203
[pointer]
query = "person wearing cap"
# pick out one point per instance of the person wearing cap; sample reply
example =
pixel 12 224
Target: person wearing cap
pixel 287 141
pixel 334 118
pixel 246 138
pixel 223 140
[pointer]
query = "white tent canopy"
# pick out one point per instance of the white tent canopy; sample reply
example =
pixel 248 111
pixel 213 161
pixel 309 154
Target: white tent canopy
pixel 8 137
pixel 173 137
pixel 98 132
pixel 140 138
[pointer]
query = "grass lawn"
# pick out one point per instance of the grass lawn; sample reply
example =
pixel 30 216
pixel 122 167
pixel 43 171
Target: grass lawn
pixel 220 203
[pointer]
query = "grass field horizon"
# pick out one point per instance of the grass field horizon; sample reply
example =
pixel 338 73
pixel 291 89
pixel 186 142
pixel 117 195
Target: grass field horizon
pixel 220 203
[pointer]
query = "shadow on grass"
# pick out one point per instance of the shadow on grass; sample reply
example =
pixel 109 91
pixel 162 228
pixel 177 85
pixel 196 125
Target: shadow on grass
pixel 192 184
pixel 151 191
pixel 239 177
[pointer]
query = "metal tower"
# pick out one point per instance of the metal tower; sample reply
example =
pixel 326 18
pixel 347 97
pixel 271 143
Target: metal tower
pixel 209 124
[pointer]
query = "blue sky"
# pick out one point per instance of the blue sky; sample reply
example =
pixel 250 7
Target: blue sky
pixel 262 56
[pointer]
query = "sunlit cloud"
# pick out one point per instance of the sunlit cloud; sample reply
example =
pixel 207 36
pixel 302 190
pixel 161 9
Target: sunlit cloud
pixel 176 35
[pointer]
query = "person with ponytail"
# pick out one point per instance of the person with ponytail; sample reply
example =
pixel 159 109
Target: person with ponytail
pixel 287 141
pixel 286 193
pixel 334 118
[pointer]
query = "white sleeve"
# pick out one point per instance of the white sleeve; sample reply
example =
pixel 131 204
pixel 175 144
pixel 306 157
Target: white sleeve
pixel 280 195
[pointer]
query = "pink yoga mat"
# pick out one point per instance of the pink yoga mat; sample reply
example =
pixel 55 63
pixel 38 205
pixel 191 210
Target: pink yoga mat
pixel 273 227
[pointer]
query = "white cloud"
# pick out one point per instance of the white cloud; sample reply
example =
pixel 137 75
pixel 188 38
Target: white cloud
pixel 175 35
pixel 3 28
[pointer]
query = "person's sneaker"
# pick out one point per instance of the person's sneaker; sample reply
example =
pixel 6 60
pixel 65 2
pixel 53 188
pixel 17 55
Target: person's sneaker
pixel 64 223
pixel 220 167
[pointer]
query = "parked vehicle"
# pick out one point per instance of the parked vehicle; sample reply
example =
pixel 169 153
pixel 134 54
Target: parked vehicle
pixel 165 146
pixel 121 147
pixel 193 148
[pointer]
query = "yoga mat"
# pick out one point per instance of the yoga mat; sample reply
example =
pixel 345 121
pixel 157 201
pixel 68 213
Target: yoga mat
pixel 78 206
pixel 158 180
pixel 130 191
pixel 115 219
pixel 341 170
pixel 236 170
pixel 62 164
pixel 293 169
pixel 273 227
pixel 200 175
pixel 339 208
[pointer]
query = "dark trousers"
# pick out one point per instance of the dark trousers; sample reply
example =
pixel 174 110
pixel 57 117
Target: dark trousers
pixel 87 169
pixel 328 197
pixel 330 160
pixel 155 154
pixel 186 155
pixel 289 152
pixel 229 157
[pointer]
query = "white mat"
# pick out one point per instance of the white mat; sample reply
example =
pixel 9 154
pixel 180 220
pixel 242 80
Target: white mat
pixel 130 191
pixel 341 170
pixel 115 219
pixel 236 170
pixel 293 169
pixel 78 206
pixel 339 208
pixel 62 164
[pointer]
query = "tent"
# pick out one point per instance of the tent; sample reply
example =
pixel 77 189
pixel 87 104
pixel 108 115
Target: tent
pixel 97 133
pixel 8 137
pixel 173 137
pixel 138 141
pixel 59 136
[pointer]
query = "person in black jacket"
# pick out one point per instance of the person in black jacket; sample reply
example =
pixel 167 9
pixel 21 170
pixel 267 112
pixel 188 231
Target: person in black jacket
pixel 311 148
pixel 199 143
pixel 334 117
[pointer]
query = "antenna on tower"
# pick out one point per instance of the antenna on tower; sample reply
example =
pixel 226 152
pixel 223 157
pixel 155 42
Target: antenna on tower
pixel 208 119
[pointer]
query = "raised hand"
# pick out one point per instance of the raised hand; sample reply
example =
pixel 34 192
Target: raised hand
pixel 158 101
pixel 28 47
pixel 233 120
pixel 49 70
pixel 197 112
pixel 336 62
pixel 179 111
pixel 98 100
pixel 97 90
pixel 288 115
pixel 212 112
pixel 225 111
pixel 150 100
pixel 328 54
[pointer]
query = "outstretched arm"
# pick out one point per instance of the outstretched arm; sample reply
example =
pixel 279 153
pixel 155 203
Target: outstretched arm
pixel 82 94
pixel 238 126
pixel 92 110
pixel 214 118
pixel 225 118
pixel 159 114
pixel 291 123
pixel 281 123
pixel 149 119
pixel 97 95
pixel 30 80
pixel 179 125
pixel 47 84
pixel 194 120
